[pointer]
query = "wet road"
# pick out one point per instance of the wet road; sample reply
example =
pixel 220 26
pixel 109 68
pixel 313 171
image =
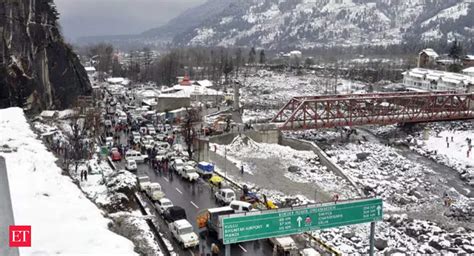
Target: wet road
pixel 194 198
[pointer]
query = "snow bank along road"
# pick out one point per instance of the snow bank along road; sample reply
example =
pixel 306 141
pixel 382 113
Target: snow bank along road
pixel 62 219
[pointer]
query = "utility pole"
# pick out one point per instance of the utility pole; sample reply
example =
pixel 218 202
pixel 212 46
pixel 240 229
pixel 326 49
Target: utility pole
pixel 337 71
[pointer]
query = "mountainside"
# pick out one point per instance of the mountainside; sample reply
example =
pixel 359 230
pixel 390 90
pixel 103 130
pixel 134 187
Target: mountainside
pixel 280 24
pixel 36 65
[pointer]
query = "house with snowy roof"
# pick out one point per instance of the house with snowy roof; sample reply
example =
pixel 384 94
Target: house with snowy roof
pixel 435 80
pixel 468 61
pixel 469 71
pixel 427 58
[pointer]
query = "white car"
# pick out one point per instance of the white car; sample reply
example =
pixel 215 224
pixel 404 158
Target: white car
pixel 177 165
pixel 163 204
pixel 143 182
pixel 154 191
pixel 183 232
pixel 188 173
pixel 131 165
pixel 225 196
pixel 135 155
pixel 109 142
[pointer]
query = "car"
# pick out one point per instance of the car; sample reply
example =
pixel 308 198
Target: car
pixel 177 165
pixel 143 182
pixel 309 252
pixel 109 142
pixel 135 155
pixel 154 191
pixel 241 206
pixel 116 156
pixel 131 165
pixel 174 213
pixel 188 173
pixel 224 196
pixel 183 232
pixel 108 123
pixel 163 204
pixel 160 137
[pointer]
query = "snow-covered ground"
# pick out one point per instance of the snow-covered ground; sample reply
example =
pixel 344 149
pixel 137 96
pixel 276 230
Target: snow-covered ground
pixel 416 219
pixel 63 220
pixel 300 167
pixel 265 92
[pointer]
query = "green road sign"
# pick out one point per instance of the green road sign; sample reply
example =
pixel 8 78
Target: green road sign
pixel 287 221
pixel 104 151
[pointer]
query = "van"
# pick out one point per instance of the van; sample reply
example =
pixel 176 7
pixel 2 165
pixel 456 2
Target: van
pixel 241 206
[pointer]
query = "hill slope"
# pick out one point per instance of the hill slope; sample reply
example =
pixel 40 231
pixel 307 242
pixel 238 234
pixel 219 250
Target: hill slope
pixel 281 24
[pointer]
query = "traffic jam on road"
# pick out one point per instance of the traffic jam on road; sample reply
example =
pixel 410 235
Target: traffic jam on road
pixel 186 196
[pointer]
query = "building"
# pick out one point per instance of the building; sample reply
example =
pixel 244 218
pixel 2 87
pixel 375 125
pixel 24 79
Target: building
pixel 427 58
pixel 435 80
pixel 468 61
pixel 469 71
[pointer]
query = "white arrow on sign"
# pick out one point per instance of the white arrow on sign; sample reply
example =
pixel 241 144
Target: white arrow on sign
pixel 299 219
pixel 378 209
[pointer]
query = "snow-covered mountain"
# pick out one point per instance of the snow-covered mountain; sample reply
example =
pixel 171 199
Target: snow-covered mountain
pixel 279 24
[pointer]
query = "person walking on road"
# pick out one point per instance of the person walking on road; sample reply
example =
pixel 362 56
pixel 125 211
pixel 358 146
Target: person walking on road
pixel 214 249
pixel 242 170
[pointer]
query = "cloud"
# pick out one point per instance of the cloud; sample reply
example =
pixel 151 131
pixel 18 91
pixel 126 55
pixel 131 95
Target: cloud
pixel 115 17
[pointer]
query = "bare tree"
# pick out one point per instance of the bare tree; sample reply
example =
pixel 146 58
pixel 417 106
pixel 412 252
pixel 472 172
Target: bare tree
pixel 187 129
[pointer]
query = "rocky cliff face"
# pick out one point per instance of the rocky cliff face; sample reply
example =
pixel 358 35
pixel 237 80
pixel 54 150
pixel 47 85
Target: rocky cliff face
pixel 37 68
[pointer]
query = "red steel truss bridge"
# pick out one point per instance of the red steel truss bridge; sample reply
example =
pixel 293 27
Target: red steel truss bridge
pixel 328 111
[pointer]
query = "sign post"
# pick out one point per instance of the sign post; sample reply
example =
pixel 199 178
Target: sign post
pixel 257 225
pixel 372 238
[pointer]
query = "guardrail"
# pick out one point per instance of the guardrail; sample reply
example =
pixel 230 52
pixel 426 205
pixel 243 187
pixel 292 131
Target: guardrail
pixel 152 226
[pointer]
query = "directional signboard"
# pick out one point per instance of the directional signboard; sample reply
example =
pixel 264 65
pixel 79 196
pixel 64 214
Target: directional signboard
pixel 281 222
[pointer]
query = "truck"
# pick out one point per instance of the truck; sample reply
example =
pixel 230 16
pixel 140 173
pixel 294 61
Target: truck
pixel 183 232
pixel 284 246
pixel 213 224
pixel 205 169
pixel 224 196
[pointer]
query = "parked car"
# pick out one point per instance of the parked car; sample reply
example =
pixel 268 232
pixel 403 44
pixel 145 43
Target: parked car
pixel 189 173
pixel 163 204
pixel 183 232
pixel 131 165
pixel 116 156
pixel 225 196
pixel 154 191
pixel 174 213
pixel 143 182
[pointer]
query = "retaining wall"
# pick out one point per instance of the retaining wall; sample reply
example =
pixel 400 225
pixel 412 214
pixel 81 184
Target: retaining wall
pixel 323 158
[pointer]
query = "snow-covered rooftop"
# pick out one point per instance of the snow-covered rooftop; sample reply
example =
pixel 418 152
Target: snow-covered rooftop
pixel 184 91
pixel 63 221
pixel 430 52
pixel 437 74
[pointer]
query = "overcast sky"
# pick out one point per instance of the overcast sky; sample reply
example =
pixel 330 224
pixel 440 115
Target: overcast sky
pixel 117 17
